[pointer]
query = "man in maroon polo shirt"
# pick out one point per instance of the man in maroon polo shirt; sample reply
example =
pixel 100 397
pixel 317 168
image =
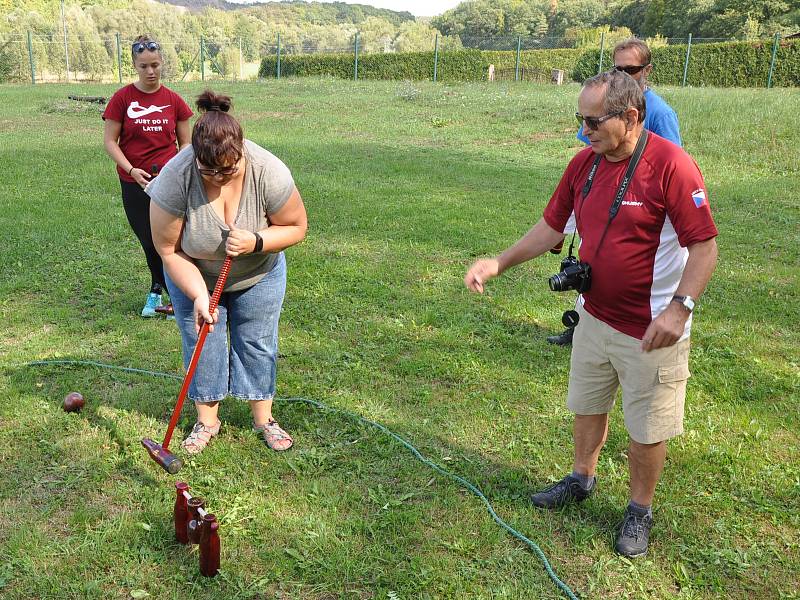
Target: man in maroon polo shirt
pixel 649 263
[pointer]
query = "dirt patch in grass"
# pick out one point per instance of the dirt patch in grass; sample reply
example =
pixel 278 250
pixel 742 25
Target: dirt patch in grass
pixel 72 107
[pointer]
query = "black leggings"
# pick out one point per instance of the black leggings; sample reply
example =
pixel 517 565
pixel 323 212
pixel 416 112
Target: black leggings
pixel 137 209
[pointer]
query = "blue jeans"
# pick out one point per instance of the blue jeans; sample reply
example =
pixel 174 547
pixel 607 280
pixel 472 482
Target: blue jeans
pixel 247 369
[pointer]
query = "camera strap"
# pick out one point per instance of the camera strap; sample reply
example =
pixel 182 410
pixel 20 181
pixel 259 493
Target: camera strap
pixel 587 187
pixel 623 186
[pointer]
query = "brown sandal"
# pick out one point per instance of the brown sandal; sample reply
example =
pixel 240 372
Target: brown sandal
pixel 274 436
pixel 198 439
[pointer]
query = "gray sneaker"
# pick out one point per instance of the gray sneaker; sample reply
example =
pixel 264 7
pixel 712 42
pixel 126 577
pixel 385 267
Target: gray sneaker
pixel 562 339
pixel 634 534
pixel 561 493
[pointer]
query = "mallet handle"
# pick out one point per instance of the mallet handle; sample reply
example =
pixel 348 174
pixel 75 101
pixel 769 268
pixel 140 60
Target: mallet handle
pixel 200 511
pixel 198 348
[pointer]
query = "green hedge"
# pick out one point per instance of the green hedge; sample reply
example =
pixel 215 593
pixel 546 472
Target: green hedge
pixel 729 64
pixel 564 59
pixel 460 65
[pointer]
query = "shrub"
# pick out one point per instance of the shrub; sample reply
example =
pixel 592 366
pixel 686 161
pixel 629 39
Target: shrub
pixel 728 64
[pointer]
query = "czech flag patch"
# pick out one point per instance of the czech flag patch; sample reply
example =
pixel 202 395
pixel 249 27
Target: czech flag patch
pixel 699 197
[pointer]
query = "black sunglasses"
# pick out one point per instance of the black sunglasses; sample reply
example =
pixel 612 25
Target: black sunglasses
pixel 140 47
pixel 214 172
pixel 595 122
pixel 630 69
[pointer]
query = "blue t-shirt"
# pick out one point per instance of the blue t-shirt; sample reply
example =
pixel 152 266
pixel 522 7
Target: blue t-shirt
pixel 659 118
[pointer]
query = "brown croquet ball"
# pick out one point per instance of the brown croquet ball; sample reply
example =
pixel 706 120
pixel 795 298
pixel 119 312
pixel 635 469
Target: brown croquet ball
pixel 73 402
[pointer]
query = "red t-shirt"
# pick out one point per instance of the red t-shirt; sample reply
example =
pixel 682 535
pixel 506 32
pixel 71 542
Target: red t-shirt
pixel 148 137
pixel 664 210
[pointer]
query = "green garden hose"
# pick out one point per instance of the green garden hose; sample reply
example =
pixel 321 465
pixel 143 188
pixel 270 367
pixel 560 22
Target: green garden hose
pixel 353 416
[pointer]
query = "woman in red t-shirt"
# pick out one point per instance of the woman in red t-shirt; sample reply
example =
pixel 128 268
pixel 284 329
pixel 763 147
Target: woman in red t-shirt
pixel 143 123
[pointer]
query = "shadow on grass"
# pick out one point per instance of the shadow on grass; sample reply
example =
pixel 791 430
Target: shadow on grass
pixel 583 532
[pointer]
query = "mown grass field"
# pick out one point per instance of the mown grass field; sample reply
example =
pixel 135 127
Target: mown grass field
pixel 404 185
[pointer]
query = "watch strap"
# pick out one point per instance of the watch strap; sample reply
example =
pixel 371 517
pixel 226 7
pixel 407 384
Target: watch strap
pixel 259 243
pixel 686 301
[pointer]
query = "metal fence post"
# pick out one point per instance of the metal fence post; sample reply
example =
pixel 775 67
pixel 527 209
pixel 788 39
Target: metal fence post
pixel 602 46
pixel 119 57
pixel 355 72
pixel 686 62
pixel 516 68
pixel 66 51
pixel 435 57
pixel 30 58
pixel 202 60
pixel 278 66
pixel 772 62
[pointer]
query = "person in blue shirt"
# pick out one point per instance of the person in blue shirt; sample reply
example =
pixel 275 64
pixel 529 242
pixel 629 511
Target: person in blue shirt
pixel 634 58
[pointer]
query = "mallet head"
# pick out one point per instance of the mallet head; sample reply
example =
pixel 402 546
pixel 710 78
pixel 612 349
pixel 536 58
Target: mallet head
pixel 165 459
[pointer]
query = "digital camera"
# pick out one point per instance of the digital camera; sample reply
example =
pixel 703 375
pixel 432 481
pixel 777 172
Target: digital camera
pixel 574 275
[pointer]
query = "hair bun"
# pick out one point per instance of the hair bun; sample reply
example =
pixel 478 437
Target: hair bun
pixel 208 101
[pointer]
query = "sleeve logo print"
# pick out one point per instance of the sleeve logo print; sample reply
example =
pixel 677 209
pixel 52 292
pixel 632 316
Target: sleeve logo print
pixel 699 197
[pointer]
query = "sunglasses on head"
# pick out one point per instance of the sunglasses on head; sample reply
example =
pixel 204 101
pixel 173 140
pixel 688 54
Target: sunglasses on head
pixel 140 47
pixel 595 122
pixel 630 69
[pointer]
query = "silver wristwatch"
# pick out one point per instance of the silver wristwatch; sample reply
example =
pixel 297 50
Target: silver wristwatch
pixel 686 301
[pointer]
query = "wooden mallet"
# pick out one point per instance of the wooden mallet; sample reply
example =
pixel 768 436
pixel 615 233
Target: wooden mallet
pixel 160 452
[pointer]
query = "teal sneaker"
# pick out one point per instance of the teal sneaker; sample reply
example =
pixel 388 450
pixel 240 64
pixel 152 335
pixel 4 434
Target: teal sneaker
pixel 153 302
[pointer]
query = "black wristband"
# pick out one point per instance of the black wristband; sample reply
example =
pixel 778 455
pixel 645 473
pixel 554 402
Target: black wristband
pixel 259 243
pixel 130 170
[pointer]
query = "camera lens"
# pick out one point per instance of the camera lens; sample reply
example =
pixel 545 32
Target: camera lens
pixel 556 283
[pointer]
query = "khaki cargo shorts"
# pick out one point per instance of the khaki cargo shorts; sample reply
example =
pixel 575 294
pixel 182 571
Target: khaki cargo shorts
pixel 653 383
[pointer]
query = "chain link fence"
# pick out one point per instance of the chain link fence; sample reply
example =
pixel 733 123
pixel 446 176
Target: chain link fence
pixel 59 56
pixel 46 58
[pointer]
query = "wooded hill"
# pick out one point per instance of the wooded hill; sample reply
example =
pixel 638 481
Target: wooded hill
pixel 299 10
pixel 728 19
pixel 234 33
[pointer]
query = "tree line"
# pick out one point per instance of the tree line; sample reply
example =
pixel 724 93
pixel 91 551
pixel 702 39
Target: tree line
pixel 721 19
pixel 234 33
pixel 243 33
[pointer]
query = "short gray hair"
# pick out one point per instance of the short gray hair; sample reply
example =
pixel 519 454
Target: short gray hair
pixel 622 92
